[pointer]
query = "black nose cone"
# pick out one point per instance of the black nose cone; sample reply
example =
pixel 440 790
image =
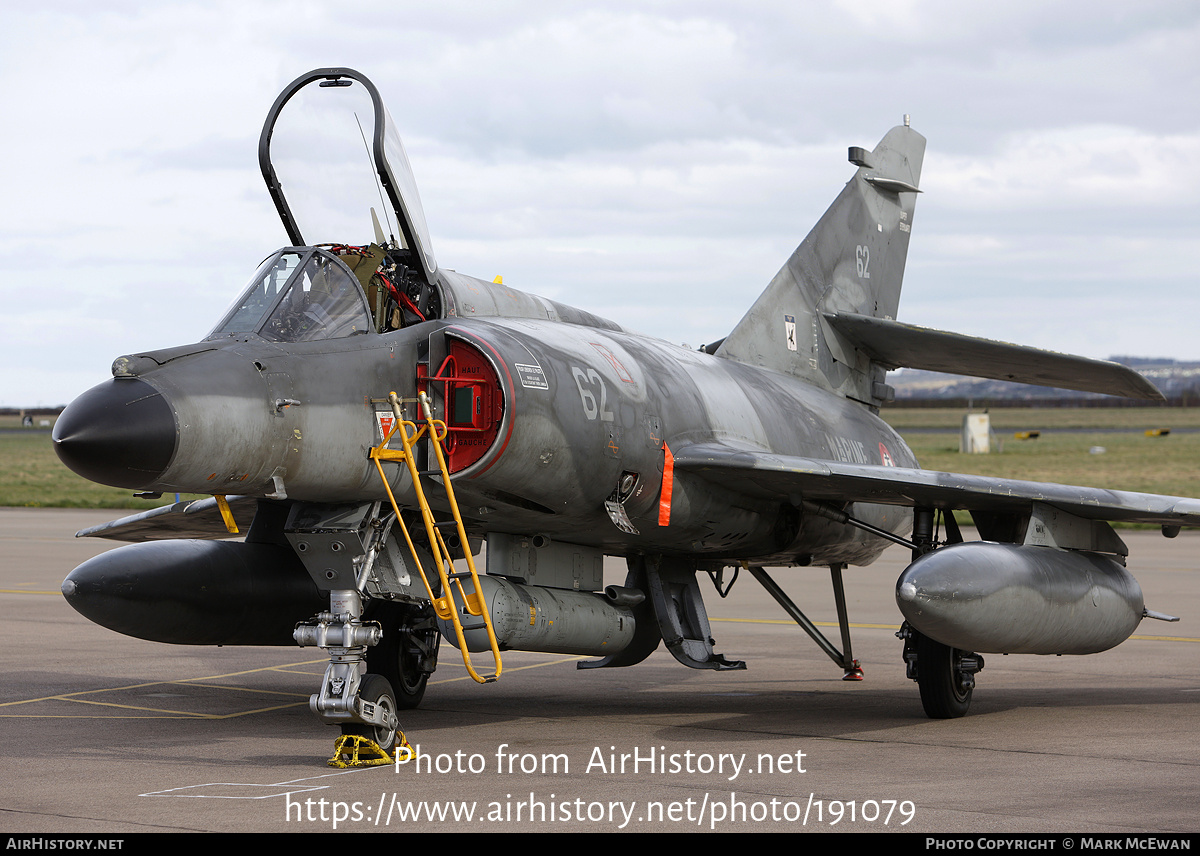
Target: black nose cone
pixel 121 433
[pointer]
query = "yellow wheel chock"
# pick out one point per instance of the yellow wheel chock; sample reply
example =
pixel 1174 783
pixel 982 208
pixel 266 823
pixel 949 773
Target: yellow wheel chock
pixel 354 750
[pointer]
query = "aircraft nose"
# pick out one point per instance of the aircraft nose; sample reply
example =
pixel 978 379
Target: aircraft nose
pixel 120 433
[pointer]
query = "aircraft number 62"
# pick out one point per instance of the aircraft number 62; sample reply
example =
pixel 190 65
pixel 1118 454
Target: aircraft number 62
pixel 587 381
pixel 862 261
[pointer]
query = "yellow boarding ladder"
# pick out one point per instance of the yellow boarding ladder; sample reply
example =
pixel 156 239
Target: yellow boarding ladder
pixel 444 606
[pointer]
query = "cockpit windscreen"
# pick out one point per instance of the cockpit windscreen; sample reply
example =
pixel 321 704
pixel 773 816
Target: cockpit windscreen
pixel 298 295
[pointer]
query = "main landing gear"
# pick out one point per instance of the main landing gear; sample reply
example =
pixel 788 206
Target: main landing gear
pixel 944 675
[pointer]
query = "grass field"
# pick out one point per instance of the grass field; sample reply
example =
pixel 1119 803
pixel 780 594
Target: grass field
pixel 1130 461
pixel 1012 419
pixel 31 475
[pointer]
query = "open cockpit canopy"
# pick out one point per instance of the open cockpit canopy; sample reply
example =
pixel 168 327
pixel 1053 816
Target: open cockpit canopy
pixel 342 157
pixel 343 160
pixel 348 177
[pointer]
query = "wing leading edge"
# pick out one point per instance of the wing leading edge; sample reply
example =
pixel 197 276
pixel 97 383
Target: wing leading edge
pixel 768 475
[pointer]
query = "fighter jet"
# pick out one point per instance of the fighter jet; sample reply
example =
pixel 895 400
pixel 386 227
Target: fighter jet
pixel 377 419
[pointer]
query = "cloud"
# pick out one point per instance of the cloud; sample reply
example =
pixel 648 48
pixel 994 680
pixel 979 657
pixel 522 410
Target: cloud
pixel 655 162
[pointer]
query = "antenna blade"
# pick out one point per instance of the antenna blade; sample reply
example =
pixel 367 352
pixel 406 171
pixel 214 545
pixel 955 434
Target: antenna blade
pixel 380 238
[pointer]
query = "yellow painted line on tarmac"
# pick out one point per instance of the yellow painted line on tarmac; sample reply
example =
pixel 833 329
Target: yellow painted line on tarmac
pixel 508 669
pixel 1165 638
pixel 77 697
pixel 180 713
pixel 165 714
pixel 897 627
pixel 258 710
pixel 71 696
pixel 790 623
pixel 157 713
pixel 251 690
pixel 147 713
pixel 144 712
pixel 279 667
pixel 28 591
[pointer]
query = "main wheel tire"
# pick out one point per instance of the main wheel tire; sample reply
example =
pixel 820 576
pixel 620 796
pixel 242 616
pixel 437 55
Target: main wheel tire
pixel 410 637
pixel 376 689
pixel 939 678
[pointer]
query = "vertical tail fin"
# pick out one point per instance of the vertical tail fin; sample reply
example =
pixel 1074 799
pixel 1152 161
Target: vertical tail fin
pixel 852 261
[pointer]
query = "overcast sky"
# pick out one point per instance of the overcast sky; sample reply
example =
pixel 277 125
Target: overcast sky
pixel 654 162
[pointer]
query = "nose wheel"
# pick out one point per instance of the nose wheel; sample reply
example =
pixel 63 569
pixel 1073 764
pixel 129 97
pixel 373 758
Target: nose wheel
pixel 376 690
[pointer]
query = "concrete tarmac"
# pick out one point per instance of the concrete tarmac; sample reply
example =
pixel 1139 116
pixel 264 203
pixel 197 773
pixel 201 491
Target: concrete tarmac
pixel 113 735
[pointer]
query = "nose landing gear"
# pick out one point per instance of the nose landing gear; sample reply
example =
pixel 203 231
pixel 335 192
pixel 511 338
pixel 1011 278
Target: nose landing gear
pixel 363 705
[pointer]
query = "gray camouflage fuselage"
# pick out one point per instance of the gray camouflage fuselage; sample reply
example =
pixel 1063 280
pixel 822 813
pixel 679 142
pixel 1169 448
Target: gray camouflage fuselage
pixel 581 405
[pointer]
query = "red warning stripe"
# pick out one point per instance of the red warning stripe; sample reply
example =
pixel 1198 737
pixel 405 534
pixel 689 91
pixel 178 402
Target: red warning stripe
pixel 668 481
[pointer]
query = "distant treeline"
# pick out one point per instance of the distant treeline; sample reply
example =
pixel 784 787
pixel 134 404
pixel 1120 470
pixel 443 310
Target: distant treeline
pixel 1190 399
pixel 31 411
